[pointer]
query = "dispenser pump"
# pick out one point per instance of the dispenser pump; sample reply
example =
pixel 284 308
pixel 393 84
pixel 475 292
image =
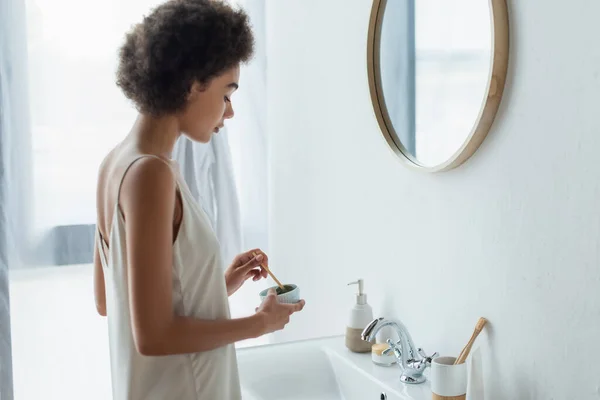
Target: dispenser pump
pixel 361 297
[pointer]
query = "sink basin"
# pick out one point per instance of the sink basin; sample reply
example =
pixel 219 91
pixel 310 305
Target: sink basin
pixel 319 369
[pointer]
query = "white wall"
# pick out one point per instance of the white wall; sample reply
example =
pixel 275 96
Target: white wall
pixel 512 235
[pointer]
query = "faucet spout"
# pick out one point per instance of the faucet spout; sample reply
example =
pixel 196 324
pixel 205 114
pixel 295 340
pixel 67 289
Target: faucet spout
pixel 369 332
pixel 408 350
pixel 413 360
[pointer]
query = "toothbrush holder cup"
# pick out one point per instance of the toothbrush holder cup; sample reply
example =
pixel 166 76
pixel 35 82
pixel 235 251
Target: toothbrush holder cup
pixel 448 381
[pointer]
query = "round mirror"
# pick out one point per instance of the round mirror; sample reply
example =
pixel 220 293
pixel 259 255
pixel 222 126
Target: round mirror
pixel 436 74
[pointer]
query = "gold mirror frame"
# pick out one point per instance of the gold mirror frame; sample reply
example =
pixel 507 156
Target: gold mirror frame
pixel 490 103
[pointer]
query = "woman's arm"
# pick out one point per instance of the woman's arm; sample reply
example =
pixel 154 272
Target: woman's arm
pixel 189 335
pixel 148 201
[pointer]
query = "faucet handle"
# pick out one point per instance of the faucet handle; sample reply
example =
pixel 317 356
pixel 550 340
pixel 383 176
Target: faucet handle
pixel 392 346
pixel 395 347
pixel 426 359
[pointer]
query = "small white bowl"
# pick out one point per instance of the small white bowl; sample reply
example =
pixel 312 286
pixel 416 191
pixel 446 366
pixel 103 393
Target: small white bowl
pixel 291 297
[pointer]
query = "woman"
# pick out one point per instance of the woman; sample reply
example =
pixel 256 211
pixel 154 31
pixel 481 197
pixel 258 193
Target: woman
pixel 158 272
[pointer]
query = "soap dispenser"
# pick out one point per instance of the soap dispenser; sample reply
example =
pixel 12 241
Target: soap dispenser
pixel 360 316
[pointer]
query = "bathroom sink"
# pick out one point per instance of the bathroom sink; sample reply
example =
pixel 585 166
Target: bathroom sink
pixel 319 369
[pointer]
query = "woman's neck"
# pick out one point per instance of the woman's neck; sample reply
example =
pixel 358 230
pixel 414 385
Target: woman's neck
pixel 155 135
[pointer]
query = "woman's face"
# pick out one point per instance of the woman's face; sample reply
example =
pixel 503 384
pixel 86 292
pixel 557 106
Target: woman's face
pixel 209 106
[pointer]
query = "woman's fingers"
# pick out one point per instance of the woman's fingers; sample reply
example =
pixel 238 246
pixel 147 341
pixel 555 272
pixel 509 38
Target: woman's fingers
pixel 263 272
pixel 251 264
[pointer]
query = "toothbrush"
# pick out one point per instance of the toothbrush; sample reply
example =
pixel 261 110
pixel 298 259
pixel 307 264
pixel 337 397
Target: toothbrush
pixel 465 351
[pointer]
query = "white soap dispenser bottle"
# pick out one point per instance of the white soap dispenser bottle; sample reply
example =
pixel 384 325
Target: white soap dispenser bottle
pixel 360 316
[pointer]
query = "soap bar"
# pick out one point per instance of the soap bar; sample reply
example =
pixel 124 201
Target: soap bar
pixel 379 348
pixel 382 359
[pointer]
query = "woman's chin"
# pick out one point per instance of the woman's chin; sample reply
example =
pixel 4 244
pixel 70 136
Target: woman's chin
pixel 201 137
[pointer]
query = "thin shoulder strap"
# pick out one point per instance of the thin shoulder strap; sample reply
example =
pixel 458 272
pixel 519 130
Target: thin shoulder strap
pixel 131 164
pixel 100 244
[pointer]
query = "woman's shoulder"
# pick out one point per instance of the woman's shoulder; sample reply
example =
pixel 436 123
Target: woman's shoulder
pixel 126 169
pixel 122 158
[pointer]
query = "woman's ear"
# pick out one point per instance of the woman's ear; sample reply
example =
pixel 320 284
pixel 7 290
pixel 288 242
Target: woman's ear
pixel 194 91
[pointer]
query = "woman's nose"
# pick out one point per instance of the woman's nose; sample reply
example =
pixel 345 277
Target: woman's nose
pixel 228 111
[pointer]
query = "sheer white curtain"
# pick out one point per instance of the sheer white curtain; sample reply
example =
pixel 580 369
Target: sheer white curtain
pixel 247 136
pixel 208 171
pixel 14 174
pixel 60 112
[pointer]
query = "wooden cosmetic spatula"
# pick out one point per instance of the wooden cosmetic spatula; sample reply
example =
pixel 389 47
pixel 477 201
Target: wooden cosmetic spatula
pixel 465 351
pixel 270 273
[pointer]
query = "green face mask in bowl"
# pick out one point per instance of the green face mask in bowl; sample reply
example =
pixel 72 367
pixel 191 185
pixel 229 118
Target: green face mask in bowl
pixel 291 294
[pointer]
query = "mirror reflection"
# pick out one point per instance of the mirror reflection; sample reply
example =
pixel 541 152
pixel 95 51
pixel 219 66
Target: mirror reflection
pixel 434 66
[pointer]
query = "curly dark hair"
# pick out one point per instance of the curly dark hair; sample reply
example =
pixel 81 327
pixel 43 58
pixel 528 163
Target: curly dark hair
pixel 178 43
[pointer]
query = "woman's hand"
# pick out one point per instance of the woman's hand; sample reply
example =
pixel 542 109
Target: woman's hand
pixel 244 267
pixel 275 315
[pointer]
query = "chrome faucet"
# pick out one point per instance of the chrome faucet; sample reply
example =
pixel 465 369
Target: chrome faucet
pixel 413 360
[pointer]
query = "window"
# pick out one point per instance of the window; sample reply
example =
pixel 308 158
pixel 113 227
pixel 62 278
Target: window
pixel 77 114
